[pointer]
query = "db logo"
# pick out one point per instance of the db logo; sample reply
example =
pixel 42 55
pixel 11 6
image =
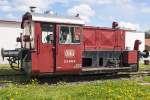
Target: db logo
pixel 69 53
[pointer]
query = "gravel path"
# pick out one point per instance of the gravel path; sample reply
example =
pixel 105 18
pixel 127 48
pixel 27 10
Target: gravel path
pixel 145 83
pixel 2 85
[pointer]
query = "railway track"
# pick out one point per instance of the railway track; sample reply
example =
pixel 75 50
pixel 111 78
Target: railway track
pixel 87 78
pixel 10 78
pixel 21 77
pixel 140 73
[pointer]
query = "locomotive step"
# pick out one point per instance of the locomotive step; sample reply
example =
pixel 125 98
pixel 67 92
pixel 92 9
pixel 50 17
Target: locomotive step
pixel 104 69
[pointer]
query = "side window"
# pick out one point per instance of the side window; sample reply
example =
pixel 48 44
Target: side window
pixel 47 33
pixel 65 35
pixel 77 35
pixel 69 34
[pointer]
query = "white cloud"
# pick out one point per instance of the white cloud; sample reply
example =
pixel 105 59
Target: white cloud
pixel 104 1
pixel 101 2
pixel 23 5
pixel 146 10
pixel 129 25
pixel 11 16
pixel 3 2
pixel 5 6
pixel 108 2
pixel 61 1
pixel 127 9
pixel 84 10
pixel 125 6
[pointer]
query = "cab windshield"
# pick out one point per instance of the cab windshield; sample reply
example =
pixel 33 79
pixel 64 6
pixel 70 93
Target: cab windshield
pixel 70 34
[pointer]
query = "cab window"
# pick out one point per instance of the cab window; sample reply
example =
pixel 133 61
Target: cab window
pixel 47 33
pixel 69 34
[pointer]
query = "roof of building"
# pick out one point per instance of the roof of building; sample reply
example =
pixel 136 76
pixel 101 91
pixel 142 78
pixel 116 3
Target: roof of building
pixel 9 21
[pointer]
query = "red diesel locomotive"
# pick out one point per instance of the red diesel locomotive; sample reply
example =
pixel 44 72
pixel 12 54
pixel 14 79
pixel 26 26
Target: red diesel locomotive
pixel 63 45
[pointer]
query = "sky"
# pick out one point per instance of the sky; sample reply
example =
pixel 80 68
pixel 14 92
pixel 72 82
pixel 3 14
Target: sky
pixel 134 14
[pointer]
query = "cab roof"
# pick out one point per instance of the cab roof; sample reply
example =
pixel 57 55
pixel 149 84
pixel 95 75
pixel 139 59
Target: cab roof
pixel 54 18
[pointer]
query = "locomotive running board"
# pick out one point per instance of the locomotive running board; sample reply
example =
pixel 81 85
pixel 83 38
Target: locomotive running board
pixel 88 71
pixel 97 70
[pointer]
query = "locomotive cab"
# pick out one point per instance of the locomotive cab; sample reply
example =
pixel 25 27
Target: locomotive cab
pixel 52 43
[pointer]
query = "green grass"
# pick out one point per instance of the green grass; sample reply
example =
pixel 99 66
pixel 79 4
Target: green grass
pixel 144 67
pixel 98 90
pixel 146 79
pixel 6 69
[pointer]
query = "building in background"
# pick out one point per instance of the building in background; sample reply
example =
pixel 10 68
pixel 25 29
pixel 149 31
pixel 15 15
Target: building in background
pixel 132 36
pixel 9 30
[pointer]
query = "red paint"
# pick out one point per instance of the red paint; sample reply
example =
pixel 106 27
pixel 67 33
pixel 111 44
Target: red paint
pixel 66 62
pixel 130 57
pixel 42 58
pixel 93 39
pixel 103 39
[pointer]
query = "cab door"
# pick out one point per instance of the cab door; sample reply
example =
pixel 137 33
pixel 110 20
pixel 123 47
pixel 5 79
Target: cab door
pixel 43 59
pixel 68 48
